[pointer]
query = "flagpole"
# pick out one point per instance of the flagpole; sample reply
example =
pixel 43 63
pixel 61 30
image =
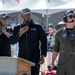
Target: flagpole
pixel 49 1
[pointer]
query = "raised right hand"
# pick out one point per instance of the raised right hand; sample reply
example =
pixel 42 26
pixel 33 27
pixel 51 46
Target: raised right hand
pixel 23 30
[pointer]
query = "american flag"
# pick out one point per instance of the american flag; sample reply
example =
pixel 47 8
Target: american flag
pixel 17 1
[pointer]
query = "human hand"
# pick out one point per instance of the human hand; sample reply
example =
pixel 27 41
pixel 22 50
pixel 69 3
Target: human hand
pixel 5 32
pixel 41 61
pixel 23 30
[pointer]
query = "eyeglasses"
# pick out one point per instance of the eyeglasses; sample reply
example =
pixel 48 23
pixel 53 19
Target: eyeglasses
pixel 70 16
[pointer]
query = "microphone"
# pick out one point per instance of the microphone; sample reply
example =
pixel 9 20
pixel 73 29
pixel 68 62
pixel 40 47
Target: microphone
pixel 27 23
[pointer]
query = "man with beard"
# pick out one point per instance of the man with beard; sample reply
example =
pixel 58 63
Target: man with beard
pixel 28 34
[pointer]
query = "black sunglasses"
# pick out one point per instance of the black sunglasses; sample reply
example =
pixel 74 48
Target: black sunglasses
pixel 5 18
pixel 70 16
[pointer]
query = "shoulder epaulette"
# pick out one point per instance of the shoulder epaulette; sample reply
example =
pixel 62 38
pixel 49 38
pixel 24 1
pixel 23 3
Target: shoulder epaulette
pixel 63 28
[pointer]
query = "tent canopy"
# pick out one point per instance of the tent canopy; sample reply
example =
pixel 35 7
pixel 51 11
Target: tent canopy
pixel 70 5
pixel 38 6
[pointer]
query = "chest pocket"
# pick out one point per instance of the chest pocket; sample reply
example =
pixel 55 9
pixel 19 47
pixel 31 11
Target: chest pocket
pixel 63 37
pixel 33 33
pixel 72 38
pixel 32 37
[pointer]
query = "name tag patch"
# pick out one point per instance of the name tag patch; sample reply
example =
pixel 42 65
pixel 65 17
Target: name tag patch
pixel 33 29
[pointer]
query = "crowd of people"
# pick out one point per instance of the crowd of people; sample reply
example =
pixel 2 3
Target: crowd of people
pixel 34 42
pixel 51 38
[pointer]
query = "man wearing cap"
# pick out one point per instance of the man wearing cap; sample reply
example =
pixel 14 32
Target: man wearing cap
pixel 29 34
pixel 5 49
pixel 65 44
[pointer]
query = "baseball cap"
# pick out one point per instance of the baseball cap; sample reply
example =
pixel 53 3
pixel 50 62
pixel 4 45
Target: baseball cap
pixel 50 25
pixel 3 16
pixel 69 12
pixel 25 11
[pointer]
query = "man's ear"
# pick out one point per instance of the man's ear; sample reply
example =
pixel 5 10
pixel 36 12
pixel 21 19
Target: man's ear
pixel 21 15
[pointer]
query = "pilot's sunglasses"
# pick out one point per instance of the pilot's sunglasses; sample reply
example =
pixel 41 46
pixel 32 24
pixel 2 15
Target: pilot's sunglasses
pixel 70 16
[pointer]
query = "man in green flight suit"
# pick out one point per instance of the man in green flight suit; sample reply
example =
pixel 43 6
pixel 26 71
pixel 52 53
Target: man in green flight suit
pixel 65 46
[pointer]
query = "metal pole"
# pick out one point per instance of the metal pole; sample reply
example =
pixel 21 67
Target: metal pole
pixel 47 19
pixel 3 1
pixel 49 1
